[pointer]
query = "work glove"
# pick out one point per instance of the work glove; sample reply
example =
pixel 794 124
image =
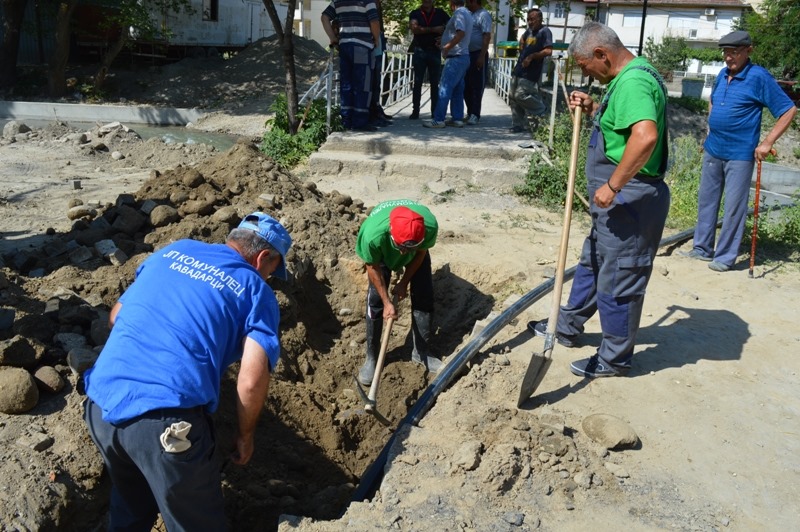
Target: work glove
pixel 377 51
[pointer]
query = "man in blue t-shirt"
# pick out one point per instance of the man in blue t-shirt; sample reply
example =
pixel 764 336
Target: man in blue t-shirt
pixel 193 310
pixel 732 146
pixel 524 97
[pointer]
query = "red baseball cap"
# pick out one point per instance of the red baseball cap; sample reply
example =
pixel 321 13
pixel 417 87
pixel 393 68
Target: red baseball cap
pixel 406 227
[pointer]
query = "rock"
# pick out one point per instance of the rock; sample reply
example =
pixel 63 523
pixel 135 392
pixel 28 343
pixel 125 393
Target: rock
pixel 148 206
pixel 468 455
pixel 48 380
pixel 7 318
pixel 117 155
pixel 81 211
pixel 163 215
pixel 14 128
pixel 18 391
pixel 80 255
pixel 202 207
pixel 70 341
pixel 80 359
pixel 439 188
pixel 117 257
pixel 128 220
pixel 125 199
pixel 74 202
pixel 227 214
pixel 105 247
pixel 193 178
pixel 36 441
pixel 616 470
pixel 99 331
pixel 584 479
pixel 514 518
pixel 609 431
pixel 21 352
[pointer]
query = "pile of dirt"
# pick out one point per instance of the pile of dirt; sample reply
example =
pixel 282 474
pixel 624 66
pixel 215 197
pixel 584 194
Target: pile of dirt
pixel 315 439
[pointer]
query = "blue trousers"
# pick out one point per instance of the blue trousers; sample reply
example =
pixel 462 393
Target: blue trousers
pixel 355 82
pixel 451 88
pixel 475 83
pixel 733 178
pixel 616 259
pixel 184 487
pixel 430 61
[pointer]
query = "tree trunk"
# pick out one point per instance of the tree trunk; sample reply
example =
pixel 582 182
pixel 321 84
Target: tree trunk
pixel 286 38
pixel 14 12
pixel 57 79
pixel 108 58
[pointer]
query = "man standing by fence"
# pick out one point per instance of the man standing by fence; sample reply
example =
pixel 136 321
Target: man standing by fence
pixel 524 97
pixel 427 24
pixel 475 80
pixel 359 41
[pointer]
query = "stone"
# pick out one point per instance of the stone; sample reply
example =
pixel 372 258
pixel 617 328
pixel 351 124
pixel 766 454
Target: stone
pixel 80 359
pixel 36 441
pixel 69 341
pixel 193 178
pixel 74 202
pixel 81 211
pixel 7 316
pixel 616 470
pixel 267 200
pixel 128 220
pixel 439 188
pixel 21 352
pixel 48 379
pixel 163 215
pixel 226 214
pixel 609 431
pixel 18 391
pixel 105 247
pixel 468 455
pixel 80 255
pixel 125 199
pixel 117 155
pixel 99 331
pixel 148 206
pixel 14 128
pixel 117 257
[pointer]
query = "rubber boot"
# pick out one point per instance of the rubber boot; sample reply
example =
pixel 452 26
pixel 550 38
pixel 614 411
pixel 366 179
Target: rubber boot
pixel 421 335
pixel 367 371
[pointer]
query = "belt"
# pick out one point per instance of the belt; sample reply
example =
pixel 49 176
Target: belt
pixel 457 55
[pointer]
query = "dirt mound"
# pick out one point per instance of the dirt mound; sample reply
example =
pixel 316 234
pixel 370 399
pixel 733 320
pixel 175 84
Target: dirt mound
pixel 315 440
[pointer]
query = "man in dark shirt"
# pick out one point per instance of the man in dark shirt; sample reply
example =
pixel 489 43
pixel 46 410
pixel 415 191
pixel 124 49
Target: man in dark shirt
pixel 427 24
pixel 524 97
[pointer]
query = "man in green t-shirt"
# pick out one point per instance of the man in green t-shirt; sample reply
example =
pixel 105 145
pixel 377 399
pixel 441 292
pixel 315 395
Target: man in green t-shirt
pixel 396 236
pixel 625 164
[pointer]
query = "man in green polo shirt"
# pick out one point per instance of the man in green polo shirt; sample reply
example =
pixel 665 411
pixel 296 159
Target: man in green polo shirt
pixel 396 236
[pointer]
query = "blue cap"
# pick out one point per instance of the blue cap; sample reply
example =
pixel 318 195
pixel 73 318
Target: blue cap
pixel 273 232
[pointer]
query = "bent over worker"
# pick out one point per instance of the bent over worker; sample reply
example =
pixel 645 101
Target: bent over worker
pixel 193 310
pixel 396 236
pixel 625 165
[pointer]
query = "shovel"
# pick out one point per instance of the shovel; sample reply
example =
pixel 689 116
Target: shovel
pixel 369 400
pixel 540 362
pixel 755 216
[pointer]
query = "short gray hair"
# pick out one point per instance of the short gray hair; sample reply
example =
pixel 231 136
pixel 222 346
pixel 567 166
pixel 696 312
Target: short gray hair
pixel 250 243
pixel 591 36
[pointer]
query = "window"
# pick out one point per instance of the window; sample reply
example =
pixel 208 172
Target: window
pixel 632 19
pixel 560 10
pixel 210 9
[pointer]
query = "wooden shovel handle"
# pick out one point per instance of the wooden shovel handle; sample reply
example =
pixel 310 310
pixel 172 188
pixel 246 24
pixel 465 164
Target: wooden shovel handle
pixel 387 329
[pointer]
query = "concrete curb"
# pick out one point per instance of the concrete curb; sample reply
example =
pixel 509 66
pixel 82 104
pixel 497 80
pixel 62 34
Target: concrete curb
pixel 73 112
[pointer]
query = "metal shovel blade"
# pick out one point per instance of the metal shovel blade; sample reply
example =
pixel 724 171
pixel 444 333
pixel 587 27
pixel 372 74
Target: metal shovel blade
pixel 369 405
pixel 537 368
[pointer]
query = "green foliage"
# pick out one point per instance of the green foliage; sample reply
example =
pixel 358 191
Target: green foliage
pixel 778 234
pixel 547 185
pixel 775 32
pixel 683 178
pixel 671 54
pixel 697 105
pixel 395 14
pixel 146 16
pixel 704 55
pixel 94 94
pixel 290 150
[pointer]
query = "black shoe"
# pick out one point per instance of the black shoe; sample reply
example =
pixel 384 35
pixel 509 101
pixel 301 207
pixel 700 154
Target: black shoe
pixel 539 328
pixel 364 128
pixel 414 116
pixel 385 116
pixel 593 368
pixel 380 122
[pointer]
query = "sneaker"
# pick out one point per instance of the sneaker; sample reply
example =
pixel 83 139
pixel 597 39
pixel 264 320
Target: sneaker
pixel 414 116
pixel 539 328
pixel 472 120
pixel 434 124
pixel 593 367
pixel 718 266
pixel 455 123
pixel 694 254
pixel 516 129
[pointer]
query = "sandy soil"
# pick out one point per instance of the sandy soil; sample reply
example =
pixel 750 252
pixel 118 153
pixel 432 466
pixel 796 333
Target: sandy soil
pixel 712 396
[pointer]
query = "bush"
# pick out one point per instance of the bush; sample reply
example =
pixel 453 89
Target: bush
pixel 290 150
pixel 547 185
pixel 683 178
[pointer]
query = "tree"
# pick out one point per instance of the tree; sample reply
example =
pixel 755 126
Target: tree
pixel 671 54
pixel 775 30
pixel 14 11
pixel 56 75
pixel 142 16
pixel 395 12
pixel 285 36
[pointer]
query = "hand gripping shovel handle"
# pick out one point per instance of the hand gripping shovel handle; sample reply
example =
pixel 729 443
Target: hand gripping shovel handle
pixel 540 362
pixel 756 202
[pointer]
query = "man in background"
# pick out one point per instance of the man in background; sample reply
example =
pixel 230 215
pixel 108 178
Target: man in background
pixel 524 96
pixel 427 24
pixel 475 80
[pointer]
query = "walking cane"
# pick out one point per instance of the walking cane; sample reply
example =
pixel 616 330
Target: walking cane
pixel 757 200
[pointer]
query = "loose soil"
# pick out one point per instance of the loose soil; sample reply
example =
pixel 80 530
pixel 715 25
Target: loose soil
pixel 712 395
